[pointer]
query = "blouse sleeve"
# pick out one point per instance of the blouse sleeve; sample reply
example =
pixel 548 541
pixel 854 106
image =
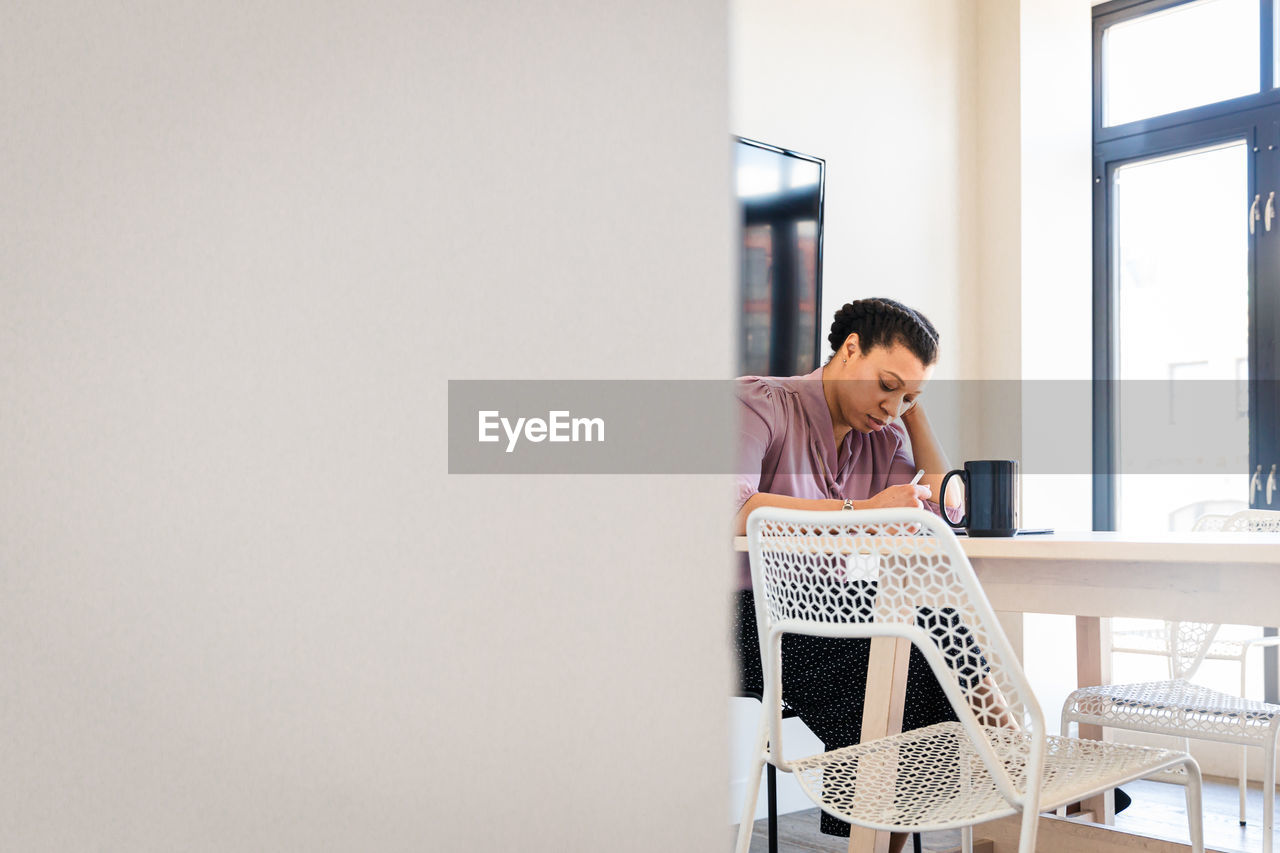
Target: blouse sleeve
pixel 757 412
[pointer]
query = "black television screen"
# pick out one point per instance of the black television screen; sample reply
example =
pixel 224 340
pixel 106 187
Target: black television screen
pixel 780 200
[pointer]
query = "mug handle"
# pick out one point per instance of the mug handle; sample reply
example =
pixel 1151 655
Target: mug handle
pixel 942 499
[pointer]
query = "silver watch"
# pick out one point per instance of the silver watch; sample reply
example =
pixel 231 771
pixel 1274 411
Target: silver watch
pixel 848 503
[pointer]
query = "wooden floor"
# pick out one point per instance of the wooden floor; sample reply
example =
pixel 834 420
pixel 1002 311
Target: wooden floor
pixel 1158 809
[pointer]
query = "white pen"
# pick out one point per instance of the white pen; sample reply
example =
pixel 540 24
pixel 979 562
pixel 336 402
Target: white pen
pixel 916 479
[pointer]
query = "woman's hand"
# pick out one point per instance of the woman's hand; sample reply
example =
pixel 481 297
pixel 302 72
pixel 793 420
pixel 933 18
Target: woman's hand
pixel 903 495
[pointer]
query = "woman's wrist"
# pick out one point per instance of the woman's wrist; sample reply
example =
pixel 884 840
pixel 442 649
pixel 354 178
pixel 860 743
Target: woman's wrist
pixel 916 424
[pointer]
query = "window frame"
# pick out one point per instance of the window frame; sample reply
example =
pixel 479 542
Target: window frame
pixel 1107 15
pixel 1146 146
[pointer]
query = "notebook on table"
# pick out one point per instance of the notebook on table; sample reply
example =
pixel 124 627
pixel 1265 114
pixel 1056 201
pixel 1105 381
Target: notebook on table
pixel 1029 531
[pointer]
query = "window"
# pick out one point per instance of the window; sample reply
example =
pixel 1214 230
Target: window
pixel 1178 57
pixel 1186 259
pixel 1186 225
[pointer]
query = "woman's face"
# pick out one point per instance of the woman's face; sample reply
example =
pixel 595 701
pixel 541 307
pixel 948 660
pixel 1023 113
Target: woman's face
pixel 875 388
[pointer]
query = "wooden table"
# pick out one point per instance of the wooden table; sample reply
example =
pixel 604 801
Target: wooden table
pixel 1206 577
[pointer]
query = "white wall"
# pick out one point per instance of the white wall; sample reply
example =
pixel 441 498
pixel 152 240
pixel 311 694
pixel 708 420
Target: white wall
pixel 883 92
pixel 1035 243
pixel 1057 253
pixel 242 604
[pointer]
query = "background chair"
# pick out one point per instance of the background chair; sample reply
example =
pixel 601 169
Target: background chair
pixel 1189 644
pixel 901 574
pixel 1182 709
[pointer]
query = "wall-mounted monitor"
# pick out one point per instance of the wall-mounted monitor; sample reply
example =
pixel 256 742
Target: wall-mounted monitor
pixel 780 202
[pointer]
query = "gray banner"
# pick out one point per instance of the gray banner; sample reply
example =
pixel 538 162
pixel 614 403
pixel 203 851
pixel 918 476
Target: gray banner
pixel 666 426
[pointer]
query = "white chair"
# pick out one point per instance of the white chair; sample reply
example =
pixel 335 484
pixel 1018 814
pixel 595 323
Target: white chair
pixel 1188 644
pixel 1180 708
pixel 900 573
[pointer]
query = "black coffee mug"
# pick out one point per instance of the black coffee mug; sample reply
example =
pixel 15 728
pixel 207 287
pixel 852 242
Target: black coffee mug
pixel 990 497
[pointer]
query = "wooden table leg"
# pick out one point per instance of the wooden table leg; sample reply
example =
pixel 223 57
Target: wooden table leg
pixel 1011 621
pixel 882 715
pixel 1093 667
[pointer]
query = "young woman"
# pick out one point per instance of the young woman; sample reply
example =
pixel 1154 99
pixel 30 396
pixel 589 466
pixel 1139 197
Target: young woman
pixel 830 440
pixel 814 441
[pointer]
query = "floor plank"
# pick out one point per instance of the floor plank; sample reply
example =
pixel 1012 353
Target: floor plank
pixel 1157 809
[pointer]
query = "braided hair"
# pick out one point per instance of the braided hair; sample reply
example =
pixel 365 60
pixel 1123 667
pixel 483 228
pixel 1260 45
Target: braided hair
pixel 885 322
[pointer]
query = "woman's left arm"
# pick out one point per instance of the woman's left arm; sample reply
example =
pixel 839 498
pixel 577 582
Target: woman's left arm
pixel 928 454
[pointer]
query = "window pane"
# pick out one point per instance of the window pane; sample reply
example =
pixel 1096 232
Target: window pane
pixel 1194 54
pixel 757 299
pixel 1181 267
pixel 807 286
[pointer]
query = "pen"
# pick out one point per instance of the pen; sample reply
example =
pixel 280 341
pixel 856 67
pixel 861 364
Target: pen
pixel 916 479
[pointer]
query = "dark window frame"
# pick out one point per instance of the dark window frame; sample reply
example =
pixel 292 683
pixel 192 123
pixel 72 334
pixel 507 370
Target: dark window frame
pixel 1108 14
pixel 1254 118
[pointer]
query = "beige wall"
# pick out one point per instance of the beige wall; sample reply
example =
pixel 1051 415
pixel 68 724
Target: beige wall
pixel 917 108
pixel 957 141
pixel 884 93
pixel 1033 161
pixel 242 604
pixel 999 203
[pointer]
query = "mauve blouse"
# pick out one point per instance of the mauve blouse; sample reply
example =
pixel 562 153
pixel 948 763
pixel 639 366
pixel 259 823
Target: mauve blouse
pixel 787 446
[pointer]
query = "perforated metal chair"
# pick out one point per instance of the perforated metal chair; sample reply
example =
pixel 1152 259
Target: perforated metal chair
pixel 901 573
pixel 1180 708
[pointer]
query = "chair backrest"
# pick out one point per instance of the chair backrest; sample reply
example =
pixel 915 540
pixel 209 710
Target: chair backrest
pixel 1210 521
pixel 1254 521
pixel 1189 641
pixel 897 573
pixel 1188 644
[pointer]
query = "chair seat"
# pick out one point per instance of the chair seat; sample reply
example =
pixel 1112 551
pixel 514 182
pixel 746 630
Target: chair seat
pixel 1177 708
pixel 1153 641
pixel 1226 650
pixel 932 778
